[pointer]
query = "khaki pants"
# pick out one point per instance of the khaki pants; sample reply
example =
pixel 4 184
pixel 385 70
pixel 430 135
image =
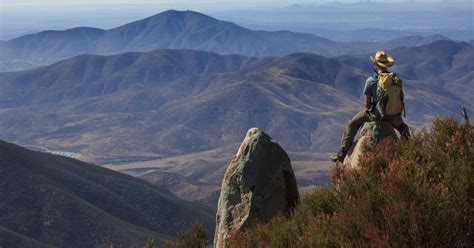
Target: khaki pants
pixel 360 118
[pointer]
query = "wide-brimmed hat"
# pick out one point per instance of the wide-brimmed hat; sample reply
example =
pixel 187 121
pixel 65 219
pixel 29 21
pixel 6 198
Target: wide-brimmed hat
pixel 382 59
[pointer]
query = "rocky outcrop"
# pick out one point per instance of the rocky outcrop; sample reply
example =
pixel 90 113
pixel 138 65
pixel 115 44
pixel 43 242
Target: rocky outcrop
pixel 258 184
pixel 369 135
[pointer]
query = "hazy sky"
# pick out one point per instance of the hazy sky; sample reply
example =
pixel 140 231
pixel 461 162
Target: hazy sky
pixel 62 2
pixel 8 5
pixel 179 4
pixel 194 2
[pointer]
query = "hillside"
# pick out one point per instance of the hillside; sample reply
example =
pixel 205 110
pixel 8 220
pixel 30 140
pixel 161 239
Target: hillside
pixel 143 108
pixel 46 47
pixel 88 76
pixel 153 103
pixel 11 239
pixel 188 29
pixel 174 117
pixel 49 200
pixel 177 30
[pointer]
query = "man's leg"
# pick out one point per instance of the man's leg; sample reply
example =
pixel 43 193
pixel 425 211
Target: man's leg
pixel 349 134
pixel 404 130
pixel 398 123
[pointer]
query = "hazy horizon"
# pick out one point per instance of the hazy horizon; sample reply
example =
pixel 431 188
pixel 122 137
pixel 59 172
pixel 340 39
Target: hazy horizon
pixel 20 17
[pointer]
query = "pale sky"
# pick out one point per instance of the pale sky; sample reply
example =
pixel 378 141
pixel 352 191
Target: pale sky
pixel 100 2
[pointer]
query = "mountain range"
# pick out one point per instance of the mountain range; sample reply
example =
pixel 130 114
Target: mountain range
pixel 165 104
pixel 54 201
pixel 362 20
pixel 178 30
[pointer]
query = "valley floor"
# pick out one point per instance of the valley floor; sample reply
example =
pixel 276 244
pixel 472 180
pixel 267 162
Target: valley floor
pixel 198 176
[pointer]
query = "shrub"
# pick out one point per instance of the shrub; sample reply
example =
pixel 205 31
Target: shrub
pixel 195 237
pixel 417 193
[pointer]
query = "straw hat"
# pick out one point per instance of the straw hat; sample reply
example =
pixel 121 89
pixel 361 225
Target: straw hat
pixel 382 59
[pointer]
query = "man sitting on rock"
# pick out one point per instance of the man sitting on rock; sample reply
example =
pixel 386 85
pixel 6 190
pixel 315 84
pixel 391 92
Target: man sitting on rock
pixel 383 102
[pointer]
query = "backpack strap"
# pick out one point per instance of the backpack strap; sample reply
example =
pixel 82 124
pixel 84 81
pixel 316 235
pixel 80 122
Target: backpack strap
pixel 402 96
pixel 404 110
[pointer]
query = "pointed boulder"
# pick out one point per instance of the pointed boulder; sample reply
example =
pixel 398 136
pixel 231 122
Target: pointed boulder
pixel 258 184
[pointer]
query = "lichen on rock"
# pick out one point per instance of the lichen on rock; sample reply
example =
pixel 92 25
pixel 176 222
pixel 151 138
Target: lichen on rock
pixel 370 134
pixel 258 184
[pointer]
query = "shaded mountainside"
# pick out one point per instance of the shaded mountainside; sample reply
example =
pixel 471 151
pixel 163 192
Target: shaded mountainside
pixel 170 103
pixel 176 30
pixel 46 47
pixel 58 201
pixel 73 41
pixel 87 76
pixel 12 239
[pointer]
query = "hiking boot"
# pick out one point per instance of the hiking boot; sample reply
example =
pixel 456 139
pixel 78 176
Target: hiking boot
pixel 338 157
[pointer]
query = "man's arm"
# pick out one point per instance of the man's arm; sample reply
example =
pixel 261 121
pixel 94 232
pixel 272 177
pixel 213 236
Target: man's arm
pixel 368 93
pixel 368 102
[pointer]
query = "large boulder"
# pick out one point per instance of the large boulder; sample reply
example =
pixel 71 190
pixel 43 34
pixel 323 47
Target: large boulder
pixel 370 134
pixel 258 184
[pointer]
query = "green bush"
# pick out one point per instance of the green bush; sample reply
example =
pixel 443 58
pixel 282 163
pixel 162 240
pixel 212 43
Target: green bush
pixel 417 193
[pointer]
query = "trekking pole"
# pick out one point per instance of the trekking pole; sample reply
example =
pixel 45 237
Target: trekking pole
pixel 377 131
pixel 464 114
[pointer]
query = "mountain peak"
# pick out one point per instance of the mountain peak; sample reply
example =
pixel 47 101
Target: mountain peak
pixel 181 15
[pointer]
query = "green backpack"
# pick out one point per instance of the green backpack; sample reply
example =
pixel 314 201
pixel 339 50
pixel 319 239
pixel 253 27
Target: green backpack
pixel 389 95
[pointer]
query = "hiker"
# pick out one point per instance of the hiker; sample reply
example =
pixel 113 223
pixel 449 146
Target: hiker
pixel 383 102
